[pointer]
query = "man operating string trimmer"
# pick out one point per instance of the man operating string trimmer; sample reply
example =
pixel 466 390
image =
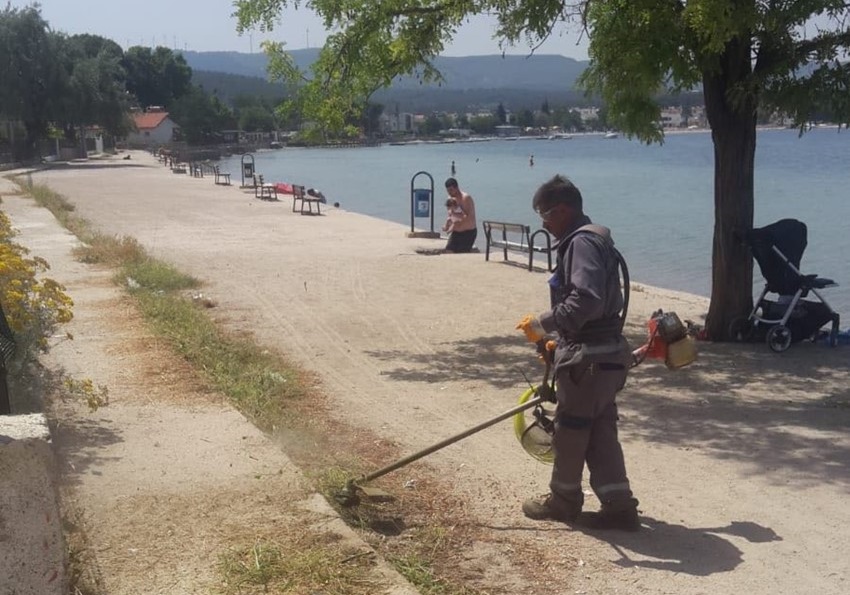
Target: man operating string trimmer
pixel 591 360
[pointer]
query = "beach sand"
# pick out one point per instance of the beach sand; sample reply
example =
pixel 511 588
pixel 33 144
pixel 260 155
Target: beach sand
pixel 740 460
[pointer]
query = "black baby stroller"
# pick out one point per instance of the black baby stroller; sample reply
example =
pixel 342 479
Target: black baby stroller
pixel 778 249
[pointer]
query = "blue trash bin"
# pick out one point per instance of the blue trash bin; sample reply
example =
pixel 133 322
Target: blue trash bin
pixel 422 202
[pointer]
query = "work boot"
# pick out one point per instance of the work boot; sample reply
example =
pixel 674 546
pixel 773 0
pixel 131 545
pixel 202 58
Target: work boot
pixel 618 516
pixel 551 508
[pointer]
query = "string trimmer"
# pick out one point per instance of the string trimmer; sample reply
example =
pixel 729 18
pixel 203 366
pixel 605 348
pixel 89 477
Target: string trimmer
pixel 350 495
pixel 668 340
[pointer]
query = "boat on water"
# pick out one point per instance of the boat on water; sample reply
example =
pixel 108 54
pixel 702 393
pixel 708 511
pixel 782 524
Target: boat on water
pixel 611 135
pixel 560 136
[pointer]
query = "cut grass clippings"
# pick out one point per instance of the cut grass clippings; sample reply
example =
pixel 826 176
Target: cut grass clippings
pixel 418 571
pixel 304 565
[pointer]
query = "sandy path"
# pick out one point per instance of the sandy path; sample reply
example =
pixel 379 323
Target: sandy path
pixel 167 478
pixel 740 461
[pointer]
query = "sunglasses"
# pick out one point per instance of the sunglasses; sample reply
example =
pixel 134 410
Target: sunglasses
pixel 547 214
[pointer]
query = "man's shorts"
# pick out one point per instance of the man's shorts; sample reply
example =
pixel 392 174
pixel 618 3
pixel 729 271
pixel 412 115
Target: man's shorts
pixel 461 241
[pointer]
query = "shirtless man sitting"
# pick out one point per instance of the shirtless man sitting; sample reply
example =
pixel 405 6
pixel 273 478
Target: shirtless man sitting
pixel 464 231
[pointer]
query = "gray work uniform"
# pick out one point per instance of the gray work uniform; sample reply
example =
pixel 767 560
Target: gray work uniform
pixel 586 302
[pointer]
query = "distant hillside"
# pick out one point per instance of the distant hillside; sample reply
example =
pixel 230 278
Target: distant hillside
pixel 229 86
pixel 242 64
pixel 538 72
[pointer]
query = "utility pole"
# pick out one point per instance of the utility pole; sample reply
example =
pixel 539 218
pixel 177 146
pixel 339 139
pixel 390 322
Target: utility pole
pixel 308 38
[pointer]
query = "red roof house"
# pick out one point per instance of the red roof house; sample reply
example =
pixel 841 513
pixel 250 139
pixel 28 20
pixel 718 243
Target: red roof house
pixel 153 127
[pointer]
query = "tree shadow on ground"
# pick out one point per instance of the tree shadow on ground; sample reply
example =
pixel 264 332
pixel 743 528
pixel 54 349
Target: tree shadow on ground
pixel 745 403
pixel 78 440
pixel 79 446
pixel 737 402
pixel 498 360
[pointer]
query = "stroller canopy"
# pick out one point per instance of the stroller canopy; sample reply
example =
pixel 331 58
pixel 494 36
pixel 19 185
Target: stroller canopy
pixel 789 236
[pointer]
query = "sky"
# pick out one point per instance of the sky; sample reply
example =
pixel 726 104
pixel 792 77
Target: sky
pixel 206 25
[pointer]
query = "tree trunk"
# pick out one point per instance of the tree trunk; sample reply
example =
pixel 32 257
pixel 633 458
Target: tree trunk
pixel 731 111
pixel 84 152
pixel 30 149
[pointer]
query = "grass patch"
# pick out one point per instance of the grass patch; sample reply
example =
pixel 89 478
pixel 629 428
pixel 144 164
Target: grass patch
pixel 155 275
pixel 304 566
pixel 114 251
pixel 418 571
pixel 54 202
pixel 331 481
pixel 254 379
pixel 137 269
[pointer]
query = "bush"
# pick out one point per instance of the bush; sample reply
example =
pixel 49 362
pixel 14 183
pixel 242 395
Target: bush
pixel 34 305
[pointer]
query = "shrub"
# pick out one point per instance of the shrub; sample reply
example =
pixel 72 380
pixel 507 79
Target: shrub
pixel 34 305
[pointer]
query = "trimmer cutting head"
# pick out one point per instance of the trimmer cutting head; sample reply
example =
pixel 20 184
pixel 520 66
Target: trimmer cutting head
pixel 352 494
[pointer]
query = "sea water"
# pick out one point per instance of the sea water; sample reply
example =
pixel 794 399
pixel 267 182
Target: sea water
pixel 657 199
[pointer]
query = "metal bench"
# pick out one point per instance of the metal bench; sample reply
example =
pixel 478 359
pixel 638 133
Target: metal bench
pixel 221 177
pixel 517 237
pixel 299 194
pixel 264 191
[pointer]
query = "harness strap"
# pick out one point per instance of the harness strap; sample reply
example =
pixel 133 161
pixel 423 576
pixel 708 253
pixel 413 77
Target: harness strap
pixel 620 321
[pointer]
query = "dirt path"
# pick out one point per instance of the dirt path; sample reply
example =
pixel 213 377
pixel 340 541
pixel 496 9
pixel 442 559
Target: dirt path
pixel 740 461
pixel 168 478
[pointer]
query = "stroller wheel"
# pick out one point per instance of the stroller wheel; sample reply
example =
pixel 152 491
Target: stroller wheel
pixel 779 338
pixel 740 329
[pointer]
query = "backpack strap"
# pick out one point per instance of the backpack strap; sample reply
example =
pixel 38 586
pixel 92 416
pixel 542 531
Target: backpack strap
pixel 604 233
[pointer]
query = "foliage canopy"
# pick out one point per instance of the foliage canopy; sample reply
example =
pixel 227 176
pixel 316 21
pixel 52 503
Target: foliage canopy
pixel 638 48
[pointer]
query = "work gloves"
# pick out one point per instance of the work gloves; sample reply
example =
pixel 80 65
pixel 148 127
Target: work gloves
pixel 530 325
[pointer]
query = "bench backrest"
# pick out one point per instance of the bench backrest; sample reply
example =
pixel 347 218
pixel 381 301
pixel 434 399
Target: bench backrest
pixel 298 191
pixel 506 228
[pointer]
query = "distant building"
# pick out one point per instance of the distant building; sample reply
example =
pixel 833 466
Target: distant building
pixel 153 128
pixel 96 140
pixel 231 136
pixel 587 113
pixel 457 132
pixel 671 117
pixel 402 122
pixel 508 130
pixel 418 122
